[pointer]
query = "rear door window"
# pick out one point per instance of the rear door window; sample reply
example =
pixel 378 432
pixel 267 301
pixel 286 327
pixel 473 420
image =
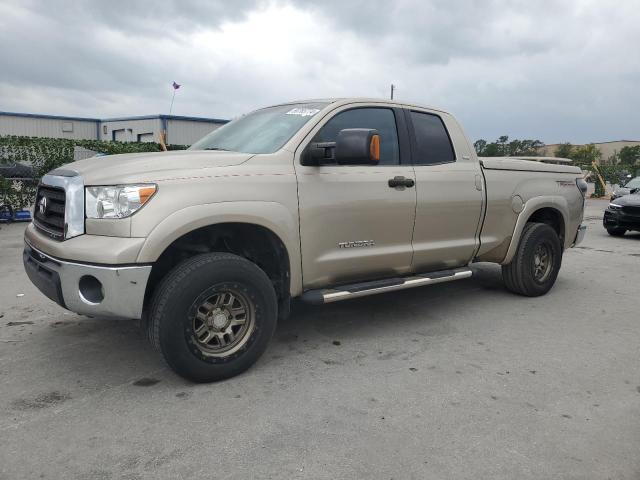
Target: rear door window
pixel 432 142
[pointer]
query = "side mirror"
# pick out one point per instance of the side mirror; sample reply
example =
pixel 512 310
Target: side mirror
pixel 354 146
pixel 358 146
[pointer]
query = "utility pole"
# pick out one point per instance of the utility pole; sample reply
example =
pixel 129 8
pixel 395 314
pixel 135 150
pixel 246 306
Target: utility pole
pixel 393 87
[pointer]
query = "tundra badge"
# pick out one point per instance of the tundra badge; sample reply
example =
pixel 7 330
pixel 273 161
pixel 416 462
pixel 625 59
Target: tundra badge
pixel 356 243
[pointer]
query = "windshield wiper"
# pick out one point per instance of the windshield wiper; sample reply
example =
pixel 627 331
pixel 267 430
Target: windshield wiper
pixel 218 148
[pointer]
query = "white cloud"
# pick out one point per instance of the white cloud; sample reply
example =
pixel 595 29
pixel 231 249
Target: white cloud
pixel 551 70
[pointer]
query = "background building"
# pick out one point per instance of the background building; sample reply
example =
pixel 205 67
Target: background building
pixel 607 149
pixel 180 130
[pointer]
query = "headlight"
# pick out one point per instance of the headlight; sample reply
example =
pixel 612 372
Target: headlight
pixel 617 194
pixel 615 206
pixel 116 201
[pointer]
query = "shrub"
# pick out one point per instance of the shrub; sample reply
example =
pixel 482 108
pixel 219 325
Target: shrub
pixel 46 154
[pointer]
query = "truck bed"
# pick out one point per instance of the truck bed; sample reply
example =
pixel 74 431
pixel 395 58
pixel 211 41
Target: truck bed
pixel 511 189
pixel 516 164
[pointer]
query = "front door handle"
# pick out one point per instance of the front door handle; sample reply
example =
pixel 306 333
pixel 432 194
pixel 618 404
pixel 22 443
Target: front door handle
pixel 396 182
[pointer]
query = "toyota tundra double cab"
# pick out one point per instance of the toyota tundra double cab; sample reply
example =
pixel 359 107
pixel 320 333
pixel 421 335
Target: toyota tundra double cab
pixel 322 200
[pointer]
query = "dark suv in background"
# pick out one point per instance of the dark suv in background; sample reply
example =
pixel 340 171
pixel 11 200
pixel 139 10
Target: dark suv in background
pixel 628 188
pixel 623 213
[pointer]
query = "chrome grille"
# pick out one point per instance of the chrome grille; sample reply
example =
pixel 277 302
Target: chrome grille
pixel 49 211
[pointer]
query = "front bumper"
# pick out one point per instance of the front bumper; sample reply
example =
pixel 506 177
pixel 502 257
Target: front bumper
pixel 582 230
pixel 619 219
pixel 94 290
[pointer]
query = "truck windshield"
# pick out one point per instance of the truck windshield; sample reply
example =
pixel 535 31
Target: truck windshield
pixel 263 131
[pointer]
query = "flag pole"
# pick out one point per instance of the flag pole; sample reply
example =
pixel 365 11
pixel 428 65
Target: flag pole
pixel 172 99
pixel 163 133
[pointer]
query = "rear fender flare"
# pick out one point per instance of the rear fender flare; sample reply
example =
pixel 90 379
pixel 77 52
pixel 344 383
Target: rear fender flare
pixel 532 205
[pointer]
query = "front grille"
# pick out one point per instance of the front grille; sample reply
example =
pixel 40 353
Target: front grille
pixel 632 210
pixel 49 211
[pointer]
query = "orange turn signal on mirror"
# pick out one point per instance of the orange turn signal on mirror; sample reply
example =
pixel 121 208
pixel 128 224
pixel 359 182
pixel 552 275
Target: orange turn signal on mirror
pixel 374 148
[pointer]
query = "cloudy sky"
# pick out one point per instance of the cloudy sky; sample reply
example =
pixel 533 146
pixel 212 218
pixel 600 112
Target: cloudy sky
pixel 557 70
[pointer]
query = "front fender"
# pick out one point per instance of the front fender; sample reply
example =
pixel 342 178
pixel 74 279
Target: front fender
pixel 271 215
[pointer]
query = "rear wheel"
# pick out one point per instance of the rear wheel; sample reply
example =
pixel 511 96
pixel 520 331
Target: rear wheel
pixel 616 232
pixel 212 316
pixel 536 264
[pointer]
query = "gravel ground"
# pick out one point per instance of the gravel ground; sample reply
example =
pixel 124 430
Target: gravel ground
pixel 460 380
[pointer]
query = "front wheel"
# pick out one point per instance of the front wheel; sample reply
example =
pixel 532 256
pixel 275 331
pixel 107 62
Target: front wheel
pixel 536 264
pixel 212 316
pixel 616 232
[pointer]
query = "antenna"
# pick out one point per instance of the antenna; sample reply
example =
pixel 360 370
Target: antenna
pixel 393 87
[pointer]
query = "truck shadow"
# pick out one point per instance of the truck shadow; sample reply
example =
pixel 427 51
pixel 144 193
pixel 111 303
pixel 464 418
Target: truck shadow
pixel 96 352
pixel 423 310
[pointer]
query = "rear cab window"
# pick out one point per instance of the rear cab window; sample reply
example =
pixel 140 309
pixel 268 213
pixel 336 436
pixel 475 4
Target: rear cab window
pixel 431 142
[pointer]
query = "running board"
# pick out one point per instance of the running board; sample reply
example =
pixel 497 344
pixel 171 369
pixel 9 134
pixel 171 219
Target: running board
pixel 355 290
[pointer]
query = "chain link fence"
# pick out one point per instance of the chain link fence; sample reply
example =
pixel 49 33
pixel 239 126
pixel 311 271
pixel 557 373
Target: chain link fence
pixel 23 161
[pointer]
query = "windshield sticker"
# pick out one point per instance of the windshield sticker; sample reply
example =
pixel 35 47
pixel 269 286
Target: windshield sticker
pixel 303 112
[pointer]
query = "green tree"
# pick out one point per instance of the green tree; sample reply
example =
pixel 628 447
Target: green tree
pixel 502 147
pixel 564 150
pixel 629 155
pixel 586 155
pixel 613 159
pixel 493 150
pixel 480 146
pixel 528 148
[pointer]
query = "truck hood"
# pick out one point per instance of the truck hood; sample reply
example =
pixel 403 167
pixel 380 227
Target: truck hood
pixel 152 167
pixel 628 200
pixel 622 191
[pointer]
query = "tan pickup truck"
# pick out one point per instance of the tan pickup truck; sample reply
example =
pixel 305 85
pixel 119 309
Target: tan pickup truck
pixel 323 200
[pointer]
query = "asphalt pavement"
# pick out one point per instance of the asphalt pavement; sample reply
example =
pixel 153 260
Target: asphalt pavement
pixel 454 381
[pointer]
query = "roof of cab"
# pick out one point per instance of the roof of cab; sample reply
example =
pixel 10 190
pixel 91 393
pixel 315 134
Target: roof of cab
pixel 348 100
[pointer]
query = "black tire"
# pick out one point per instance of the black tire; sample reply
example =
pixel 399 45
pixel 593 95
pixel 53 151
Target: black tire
pixel 616 232
pixel 520 276
pixel 173 317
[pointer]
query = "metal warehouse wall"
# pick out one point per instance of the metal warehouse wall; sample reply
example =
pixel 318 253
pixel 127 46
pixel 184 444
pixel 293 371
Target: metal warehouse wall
pixel 144 130
pixel 180 130
pixel 38 126
pixel 188 132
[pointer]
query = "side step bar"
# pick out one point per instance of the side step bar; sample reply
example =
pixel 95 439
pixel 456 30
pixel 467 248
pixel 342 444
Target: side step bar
pixel 355 290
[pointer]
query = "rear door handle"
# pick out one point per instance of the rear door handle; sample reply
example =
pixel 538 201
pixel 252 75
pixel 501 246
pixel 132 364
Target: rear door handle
pixel 396 182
